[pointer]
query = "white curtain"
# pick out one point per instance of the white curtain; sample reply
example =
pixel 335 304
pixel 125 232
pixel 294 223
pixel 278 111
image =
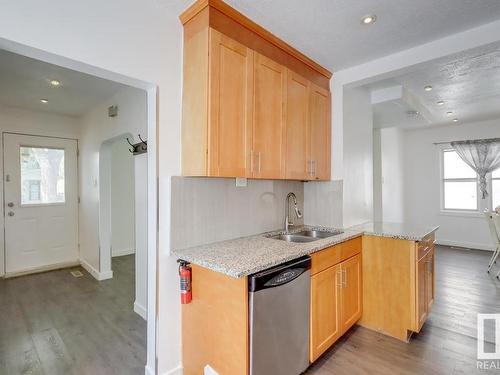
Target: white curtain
pixel 482 155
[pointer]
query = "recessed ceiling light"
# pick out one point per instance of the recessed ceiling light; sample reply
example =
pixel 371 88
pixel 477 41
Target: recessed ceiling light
pixel 369 19
pixel 55 82
pixel 449 113
pixel 455 120
pixel 428 88
pixel 440 102
pixel 44 101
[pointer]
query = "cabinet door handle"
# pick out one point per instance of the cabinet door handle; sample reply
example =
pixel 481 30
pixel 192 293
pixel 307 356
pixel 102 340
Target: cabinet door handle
pixel 259 162
pixel 251 161
pixel 313 168
pixel 344 278
pixel 339 279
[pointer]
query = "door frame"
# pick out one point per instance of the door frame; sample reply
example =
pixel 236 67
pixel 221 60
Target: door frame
pixel 151 90
pixel 3 250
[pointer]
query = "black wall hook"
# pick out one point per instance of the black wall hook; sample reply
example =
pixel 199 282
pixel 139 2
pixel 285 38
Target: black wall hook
pixel 138 148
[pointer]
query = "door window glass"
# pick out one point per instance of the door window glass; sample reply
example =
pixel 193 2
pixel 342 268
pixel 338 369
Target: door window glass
pixel 42 175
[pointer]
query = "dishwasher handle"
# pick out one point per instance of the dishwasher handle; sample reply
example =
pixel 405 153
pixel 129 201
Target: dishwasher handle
pixel 279 275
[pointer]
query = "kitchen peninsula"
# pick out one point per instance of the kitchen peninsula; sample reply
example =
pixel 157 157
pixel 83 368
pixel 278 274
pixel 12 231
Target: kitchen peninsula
pixel 381 274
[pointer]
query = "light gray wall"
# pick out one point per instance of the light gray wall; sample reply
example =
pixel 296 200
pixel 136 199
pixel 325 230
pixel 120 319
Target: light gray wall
pixel 388 175
pixel 323 203
pixel 358 157
pixel 122 199
pixel 377 175
pixel 206 210
pixel 423 183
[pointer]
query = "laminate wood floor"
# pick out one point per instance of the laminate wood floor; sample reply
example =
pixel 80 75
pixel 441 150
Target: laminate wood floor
pixel 53 323
pixel 446 343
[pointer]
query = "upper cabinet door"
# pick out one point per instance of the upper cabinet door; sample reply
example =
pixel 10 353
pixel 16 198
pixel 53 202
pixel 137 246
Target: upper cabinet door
pixel 268 118
pixel 319 132
pixel 297 117
pixel 230 107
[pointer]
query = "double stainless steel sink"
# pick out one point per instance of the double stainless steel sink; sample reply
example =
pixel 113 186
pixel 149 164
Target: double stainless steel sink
pixel 306 235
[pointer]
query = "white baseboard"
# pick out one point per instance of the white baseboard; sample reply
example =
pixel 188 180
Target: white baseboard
pixel 122 252
pixel 100 276
pixel 467 245
pixel 175 371
pixel 50 267
pixel 141 310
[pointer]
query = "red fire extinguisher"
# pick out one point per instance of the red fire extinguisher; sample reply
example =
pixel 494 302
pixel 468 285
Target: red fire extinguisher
pixel 185 280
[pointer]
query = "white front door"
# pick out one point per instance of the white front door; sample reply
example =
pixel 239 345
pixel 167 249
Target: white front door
pixel 41 202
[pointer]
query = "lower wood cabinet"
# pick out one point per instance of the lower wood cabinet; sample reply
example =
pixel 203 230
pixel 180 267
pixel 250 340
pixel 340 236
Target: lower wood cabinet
pixel 336 296
pixel 351 296
pixel 425 287
pixel 325 310
pixel 398 289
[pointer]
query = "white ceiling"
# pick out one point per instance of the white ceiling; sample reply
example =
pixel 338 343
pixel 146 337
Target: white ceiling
pixel 330 32
pixel 24 81
pixel 468 83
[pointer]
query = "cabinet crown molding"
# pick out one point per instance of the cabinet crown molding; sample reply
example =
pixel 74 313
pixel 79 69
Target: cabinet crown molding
pixel 238 17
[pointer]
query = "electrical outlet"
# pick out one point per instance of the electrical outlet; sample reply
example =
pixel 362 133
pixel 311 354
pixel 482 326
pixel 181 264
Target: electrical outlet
pixel 241 182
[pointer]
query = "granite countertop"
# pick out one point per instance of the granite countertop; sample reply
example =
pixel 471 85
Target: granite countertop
pixel 402 231
pixel 247 255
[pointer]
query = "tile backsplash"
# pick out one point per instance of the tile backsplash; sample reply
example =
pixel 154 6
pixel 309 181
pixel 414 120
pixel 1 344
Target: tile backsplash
pixel 207 210
pixel 323 203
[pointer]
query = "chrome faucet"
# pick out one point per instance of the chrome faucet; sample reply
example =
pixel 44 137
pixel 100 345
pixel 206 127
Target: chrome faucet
pixel 298 214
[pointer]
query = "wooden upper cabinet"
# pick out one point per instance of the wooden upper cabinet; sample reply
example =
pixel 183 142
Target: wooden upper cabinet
pixel 319 133
pixel 248 100
pixel 268 141
pixel 297 118
pixel 230 107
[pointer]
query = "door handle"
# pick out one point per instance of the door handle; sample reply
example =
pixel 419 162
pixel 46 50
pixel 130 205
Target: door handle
pixel 11 213
pixel 10 204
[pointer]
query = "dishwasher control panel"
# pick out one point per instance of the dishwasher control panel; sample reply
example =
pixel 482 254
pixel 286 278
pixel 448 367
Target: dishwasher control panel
pixel 284 277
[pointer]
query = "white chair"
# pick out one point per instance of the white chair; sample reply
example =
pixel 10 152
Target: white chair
pixel 494 224
pixel 496 221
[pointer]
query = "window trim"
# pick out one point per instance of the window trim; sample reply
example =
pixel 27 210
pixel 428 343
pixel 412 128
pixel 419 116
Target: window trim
pixel 41 204
pixel 443 180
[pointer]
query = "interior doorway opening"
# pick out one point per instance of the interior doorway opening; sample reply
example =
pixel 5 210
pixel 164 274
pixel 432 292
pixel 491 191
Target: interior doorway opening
pixel 123 213
pixel 91 128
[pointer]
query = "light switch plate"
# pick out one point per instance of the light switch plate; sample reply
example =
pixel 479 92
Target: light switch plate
pixel 241 182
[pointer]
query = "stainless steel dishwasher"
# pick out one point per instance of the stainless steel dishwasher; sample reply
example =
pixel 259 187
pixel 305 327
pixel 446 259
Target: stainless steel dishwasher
pixel 279 301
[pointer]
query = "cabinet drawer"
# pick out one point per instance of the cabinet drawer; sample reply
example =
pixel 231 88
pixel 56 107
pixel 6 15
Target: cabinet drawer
pixel 425 245
pixel 325 258
pixel 350 248
pixel 332 255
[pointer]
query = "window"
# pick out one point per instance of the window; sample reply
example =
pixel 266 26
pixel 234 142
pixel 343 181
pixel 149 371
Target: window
pixel 460 183
pixel 495 188
pixel 42 175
